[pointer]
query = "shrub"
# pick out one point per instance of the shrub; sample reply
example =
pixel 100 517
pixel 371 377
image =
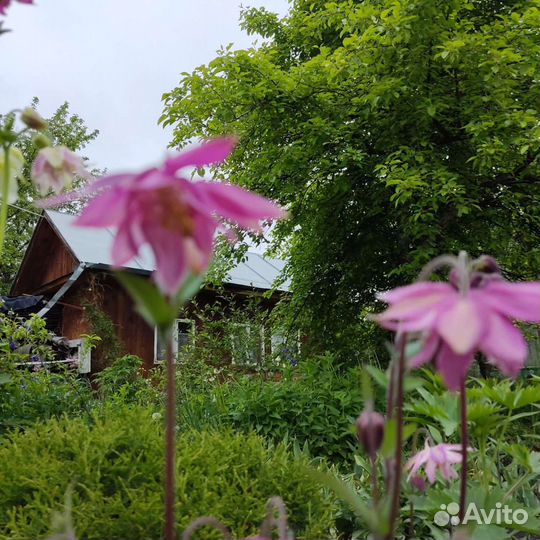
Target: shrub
pixel 114 468
pixel 313 405
pixel 31 396
pixel 123 382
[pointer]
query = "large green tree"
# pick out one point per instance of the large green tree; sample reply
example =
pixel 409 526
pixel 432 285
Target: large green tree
pixel 63 128
pixel 393 130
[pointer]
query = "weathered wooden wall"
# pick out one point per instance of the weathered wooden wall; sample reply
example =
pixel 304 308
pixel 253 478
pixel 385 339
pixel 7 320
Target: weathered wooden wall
pixel 47 263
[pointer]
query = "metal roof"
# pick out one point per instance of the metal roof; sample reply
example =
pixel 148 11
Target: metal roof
pixel 93 246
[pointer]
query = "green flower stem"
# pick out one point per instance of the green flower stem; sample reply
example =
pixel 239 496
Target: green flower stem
pixel 170 436
pixel 5 196
pixel 389 413
pixel 398 415
pixel 464 447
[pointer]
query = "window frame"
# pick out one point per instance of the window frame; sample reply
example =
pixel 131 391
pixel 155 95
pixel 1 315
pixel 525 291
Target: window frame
pixel 191 323
pixel 262 346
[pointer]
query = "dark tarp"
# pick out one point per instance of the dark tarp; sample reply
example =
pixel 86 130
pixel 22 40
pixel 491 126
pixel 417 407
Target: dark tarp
pixel 20 304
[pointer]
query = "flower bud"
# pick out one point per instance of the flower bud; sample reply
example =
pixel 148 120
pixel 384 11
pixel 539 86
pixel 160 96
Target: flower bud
pixel 33 119
pixel 419 483
pixel 487 265
pixel 370 431
pixel 41 141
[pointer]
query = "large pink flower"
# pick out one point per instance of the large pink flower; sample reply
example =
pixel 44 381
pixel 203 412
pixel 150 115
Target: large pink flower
pixel 455 323
pixel 176 217
pixel 441 457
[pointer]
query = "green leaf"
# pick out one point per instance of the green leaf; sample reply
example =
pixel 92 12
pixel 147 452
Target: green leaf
pixel 149 300
pixel 5 378
pixel 190 288
pixel 346 493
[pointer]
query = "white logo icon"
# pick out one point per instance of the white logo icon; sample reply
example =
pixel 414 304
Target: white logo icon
pixel 447 514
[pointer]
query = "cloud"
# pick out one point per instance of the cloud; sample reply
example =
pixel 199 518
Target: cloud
pixel 112 60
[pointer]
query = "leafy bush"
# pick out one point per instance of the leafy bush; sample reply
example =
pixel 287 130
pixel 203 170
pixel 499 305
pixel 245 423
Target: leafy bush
pixel 123 382
pixel 32 396
pixel 313 405
pixel 115 467
pixel 20 338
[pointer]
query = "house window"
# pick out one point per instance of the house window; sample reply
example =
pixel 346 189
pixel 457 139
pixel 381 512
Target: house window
pixel 182 337
pixel 247 343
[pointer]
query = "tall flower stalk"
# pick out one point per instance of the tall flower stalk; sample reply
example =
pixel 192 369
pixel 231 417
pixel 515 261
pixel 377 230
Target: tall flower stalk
pixel 464 450
pixel 170 447
pixel 398 451
pixel 177 219
pixel 5 195
pixel 473 312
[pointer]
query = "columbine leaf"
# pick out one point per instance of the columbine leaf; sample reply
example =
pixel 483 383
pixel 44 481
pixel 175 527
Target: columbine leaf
pixel 346 493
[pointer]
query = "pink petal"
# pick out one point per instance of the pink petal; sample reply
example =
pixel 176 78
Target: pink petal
pixel 429 348
pixel 438 454
pixel 89 189
pixel 415 463
pixel 236 204
pixel 107 209
pixel 453 367
pixel 461 325
pixel 504 345
pixel 421 289
pixel 454 448
pixel 414 308
pixel 204 237
pixel 125 247
pixel 515 300
pixel 38 166
pixel 424 320
pixel 168 248
pixel 431 469
pixel 448 472
pixel 454 457
pixel 153 179
pixel 214 151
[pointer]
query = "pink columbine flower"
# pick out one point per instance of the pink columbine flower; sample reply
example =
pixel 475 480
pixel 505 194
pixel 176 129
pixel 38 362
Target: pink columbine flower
pixel 473 312
pixel 54 168
pixel 4 4
pixel 441 457
pixel 176 217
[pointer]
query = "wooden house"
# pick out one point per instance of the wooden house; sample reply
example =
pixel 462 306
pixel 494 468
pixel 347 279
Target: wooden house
pixel 71 268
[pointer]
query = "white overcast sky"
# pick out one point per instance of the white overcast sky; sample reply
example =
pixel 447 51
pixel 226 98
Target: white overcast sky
pixel 112 60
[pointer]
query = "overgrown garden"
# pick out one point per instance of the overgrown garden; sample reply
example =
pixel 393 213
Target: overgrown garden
pixel 394 147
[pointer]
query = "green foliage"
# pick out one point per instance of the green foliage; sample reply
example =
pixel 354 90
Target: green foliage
pixel 504 464
pixel 392 130
pixel 122 383
pixel 20 339
pixel 31 392
pixel 114 469
pixel 28 397
pixel 109 347
pixel 314 407
pixel 63 128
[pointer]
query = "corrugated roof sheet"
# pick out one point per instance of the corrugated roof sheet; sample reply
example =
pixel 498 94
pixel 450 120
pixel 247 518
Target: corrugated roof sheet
pixel 93 246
